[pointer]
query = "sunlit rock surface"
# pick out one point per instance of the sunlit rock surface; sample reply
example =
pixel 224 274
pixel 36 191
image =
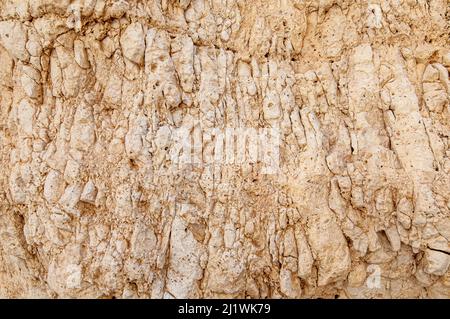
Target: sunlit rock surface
pixel 100 199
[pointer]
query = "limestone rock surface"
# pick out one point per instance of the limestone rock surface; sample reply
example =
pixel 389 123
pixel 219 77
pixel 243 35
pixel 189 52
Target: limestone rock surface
pixel 224 148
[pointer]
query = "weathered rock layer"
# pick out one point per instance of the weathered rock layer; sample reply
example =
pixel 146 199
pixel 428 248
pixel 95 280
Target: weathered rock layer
pixel 95 201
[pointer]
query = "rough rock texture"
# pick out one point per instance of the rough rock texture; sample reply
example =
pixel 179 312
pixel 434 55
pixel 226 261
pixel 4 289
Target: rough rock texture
pixel 93 92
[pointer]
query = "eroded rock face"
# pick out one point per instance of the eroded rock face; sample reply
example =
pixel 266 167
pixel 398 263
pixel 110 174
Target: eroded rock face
pixel 198 149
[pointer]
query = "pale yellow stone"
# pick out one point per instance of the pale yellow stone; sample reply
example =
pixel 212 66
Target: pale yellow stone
pixel 224 149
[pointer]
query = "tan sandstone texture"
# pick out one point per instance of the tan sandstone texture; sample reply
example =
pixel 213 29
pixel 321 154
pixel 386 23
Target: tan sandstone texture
pixel 95 202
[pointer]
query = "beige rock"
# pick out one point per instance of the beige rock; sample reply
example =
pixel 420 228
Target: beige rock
pixel 437 262
pixel 224 149
pixel 132 42
pixel 53 186
pixel 80 54
pixel 13 38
